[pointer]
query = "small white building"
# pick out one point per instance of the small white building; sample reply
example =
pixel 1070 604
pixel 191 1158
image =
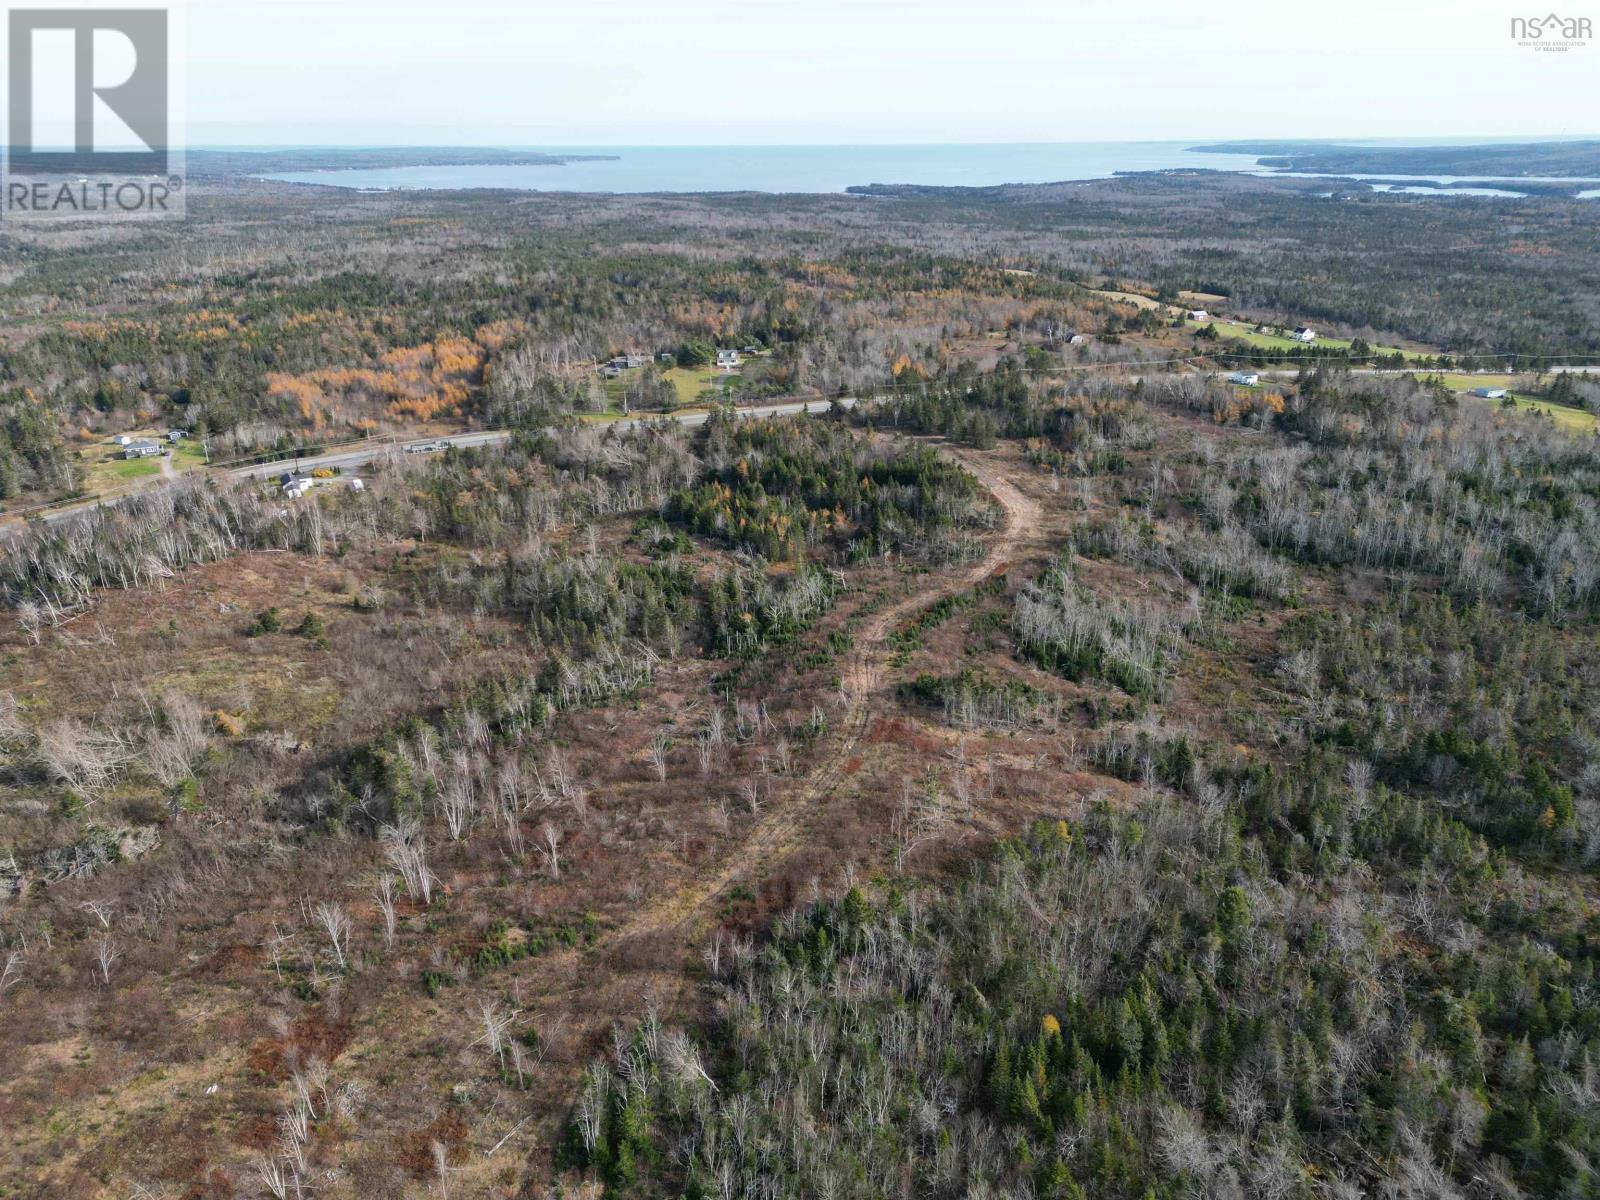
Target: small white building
pixel 295 486
pixel 727 360
pixel 1245 379
pixel 1489 393
pixel 1304 334
pixel 1198 314
pixel 141 448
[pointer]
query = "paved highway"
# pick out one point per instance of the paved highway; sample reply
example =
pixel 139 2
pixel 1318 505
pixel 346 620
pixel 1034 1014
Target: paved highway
pixel 359 455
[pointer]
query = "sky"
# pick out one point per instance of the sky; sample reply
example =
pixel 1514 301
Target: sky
pixel 708 72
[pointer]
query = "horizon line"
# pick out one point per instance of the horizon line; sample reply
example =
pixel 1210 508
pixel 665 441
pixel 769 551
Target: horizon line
pixel 451 144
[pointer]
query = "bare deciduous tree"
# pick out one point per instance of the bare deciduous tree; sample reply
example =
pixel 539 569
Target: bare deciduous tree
pixel 275 945
pixel 11 970
pixel 515 843
pixel 406 850
pixel 660 745
pixel 83 760
pixel 182 737
pixel 336 923
pixel 106 954
pixel 385 900
pixel 30 617
pixel 550 837
pixel 457 799
pixel 276 1177
pixel 750 791
pixel 496 1028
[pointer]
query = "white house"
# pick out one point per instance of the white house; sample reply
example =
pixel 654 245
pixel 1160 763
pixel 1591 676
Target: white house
pixel 727 360
pixel 141 448
pixel 1198 314
pixel 1304 334
pixel 1489 393
pixel 1245 378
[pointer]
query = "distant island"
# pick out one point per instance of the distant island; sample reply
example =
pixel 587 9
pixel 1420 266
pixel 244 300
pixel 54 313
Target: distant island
pixel 1502 161
pixel 235 163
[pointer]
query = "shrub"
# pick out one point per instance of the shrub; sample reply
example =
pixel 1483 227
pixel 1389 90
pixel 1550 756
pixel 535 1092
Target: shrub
pixel 267 621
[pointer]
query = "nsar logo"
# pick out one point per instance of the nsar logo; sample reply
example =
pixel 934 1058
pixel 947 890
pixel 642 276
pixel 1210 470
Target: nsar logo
pixel 1552 32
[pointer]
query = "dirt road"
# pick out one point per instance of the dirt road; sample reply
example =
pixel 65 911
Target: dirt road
pixel 782 829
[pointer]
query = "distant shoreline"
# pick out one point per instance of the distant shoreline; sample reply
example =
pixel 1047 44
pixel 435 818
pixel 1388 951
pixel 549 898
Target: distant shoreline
pixel 1553 169
pixel 1569 161
pixel 259 163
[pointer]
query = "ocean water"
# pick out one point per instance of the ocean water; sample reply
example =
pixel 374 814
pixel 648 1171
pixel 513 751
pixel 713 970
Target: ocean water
pixel 794 168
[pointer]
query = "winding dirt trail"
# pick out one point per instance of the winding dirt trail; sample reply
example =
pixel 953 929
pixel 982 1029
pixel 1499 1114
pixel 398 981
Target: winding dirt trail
pixel 781 829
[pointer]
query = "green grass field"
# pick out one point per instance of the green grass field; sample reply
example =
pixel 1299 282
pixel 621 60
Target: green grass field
pixel 105 470
pixel 1246 332
pixel 688 382
pixel 188 455
pixel 1573 420
pixel 1271 341
pixel 1458 382
pixel 121 470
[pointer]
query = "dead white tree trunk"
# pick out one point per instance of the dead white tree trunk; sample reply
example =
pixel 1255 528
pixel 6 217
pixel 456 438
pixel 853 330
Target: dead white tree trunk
pixel 11 971
pixel 660 745
pixel 336 922
pixel 385 898
pixel 106 953
pixel 551 837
